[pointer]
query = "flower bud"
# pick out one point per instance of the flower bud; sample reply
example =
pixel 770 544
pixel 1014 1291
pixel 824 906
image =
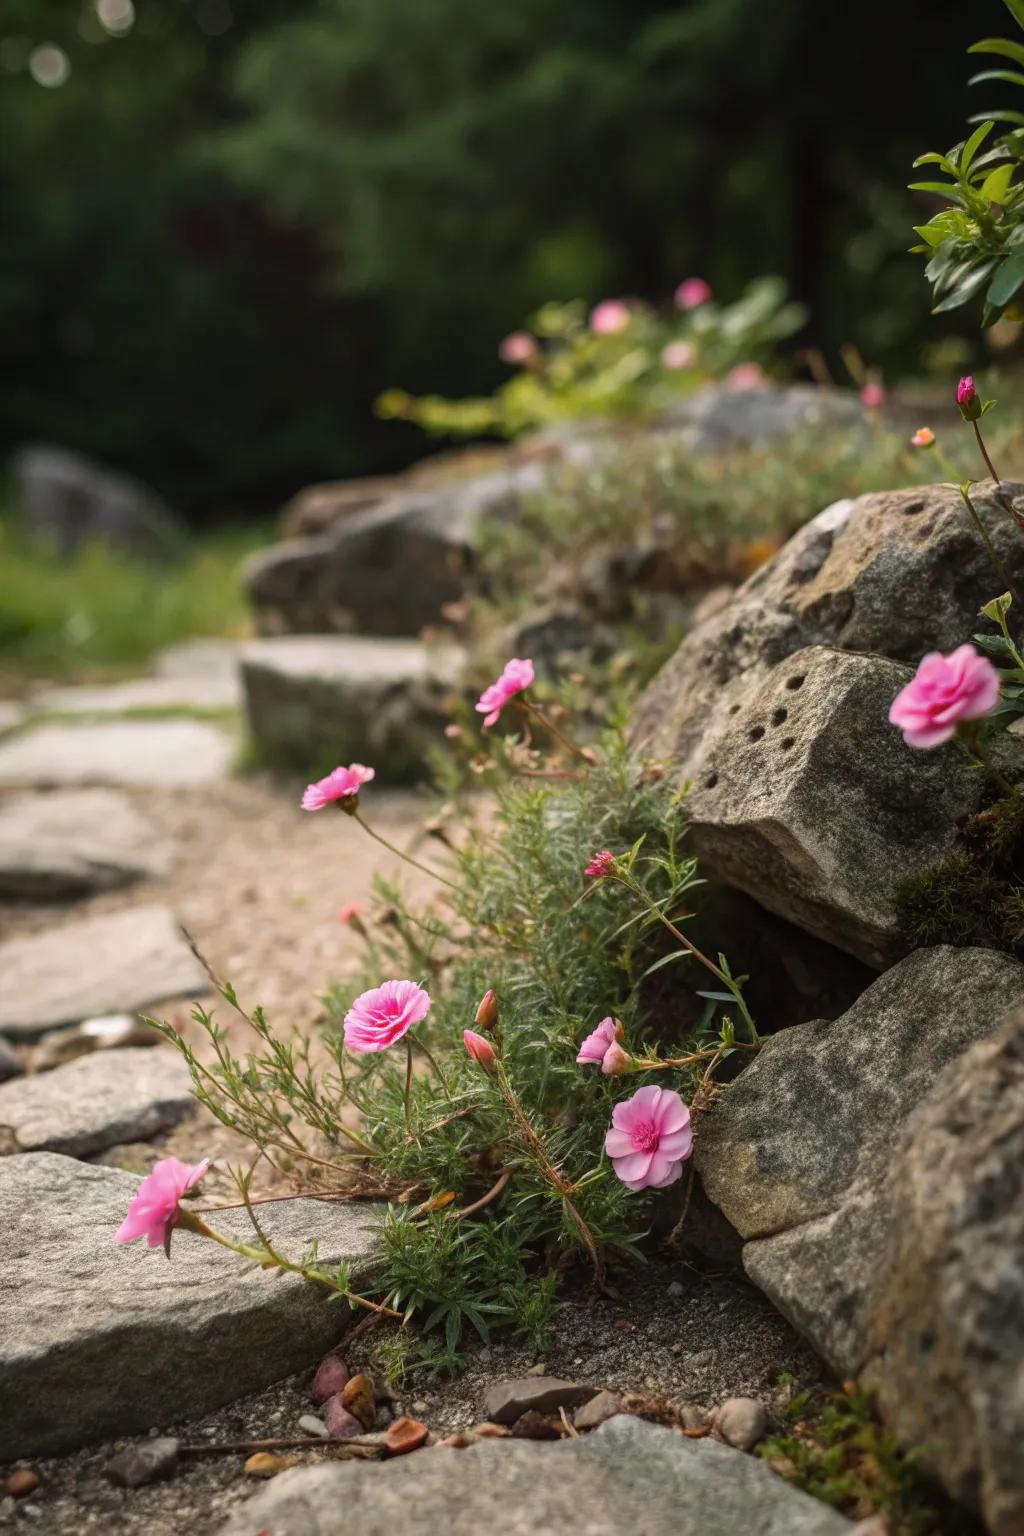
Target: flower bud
pixel 487 1013
pixel 967 399
pixel 924 437
pixel 480 1049
pixel 616 1061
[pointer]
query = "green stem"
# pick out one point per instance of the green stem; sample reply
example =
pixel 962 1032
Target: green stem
pixel 406 857
pixel 559 736
pixel 985 453
pixel 408 1084
pixel 993 554
pixel 433 1062
pixel 977 753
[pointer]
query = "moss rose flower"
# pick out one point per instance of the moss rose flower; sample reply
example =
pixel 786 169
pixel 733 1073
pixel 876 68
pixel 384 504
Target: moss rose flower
pixel 384 1014
pixel 153 1212
pixel 946 691
pixel 650 1138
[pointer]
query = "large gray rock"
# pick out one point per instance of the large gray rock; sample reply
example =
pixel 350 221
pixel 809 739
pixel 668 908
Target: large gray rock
pixel 100 1339
pixel 136 753
pixel 329 699
pixel 822 1104
pixel 73 842
pixel 386 570
pixel 626 1475
pixel 70 500
pixel 119 963
pixel 718 418
pixel 96 1102
pixel 898 573
pixel 875 1164
pixel 812 803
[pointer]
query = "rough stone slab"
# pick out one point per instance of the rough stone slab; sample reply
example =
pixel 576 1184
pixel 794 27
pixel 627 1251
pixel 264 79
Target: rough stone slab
pixel 897 573
pixel 331 699
pixel 822 1104
pixel 143 753
pixel 99 1339
pixel 125 1094
pixel 119 963
pixel 212 692
pixel 626 1476
pixel 75 841
pixel 11 715
pixel 812 803
pixel 719 417
pixel 203 658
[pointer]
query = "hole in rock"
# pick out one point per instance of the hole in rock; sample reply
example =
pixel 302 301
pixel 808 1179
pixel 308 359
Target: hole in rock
pixel 787 742
pixel 793 683
pixel 756 733
pixel 779 716
pixel 711 781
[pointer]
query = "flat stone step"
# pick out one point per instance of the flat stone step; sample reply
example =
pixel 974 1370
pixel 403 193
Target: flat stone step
pixel 317 700
pixel 626 1476
pixel 99 1339
pixel 143 753
pixel 196 693
pixel 119 963
pixel 11 715
pixel 96 1102
pixel 73 842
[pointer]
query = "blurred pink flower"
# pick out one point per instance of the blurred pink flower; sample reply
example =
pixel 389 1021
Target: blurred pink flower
pixel 518 347
pixel 966 393
pixel 745 376
pixel 945 691
pixel 650 1138
pixel 872 395
pixel 384 1014
pixel 342 784
pixel 600 865
pixel 350 913
pixel 924 437
pixel 598 1043
pixel 609 317
pixel 516 676
pixel 480 1049
pixel 154 1208
pixel 692 293
pixel 678 354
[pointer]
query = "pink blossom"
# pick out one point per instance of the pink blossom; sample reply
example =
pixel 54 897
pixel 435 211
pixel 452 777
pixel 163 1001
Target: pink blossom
pixel 517 675
pixel 153 1212
pixel 384 1014
pixel 872 395
pixel 518 347
pixel 745 376
pixel 351 913
pixel 692 293
pixel 945 691
pixel 598 1043
pixel 342 784
pixel 678 354
pixel 609 317
pixel 966 394
pixel 924 437
pixel 650 1138
pixel 480 1049
pixel 601 864
pixel 487 1011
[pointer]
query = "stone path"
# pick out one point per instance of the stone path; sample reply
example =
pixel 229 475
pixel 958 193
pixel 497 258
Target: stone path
pixel 129 752
pixel 97 1101
pixel 75 841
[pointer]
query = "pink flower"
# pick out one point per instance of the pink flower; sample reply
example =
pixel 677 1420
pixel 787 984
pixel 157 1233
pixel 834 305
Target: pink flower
pixel 518 347
pixel 692 293
pixel 487 1011
pixel 598 1043
pixel 384 1014
pixel 480 1049
pixel 351 913
pixel 601 864
pixel 609 317
pixel 154 1210
pixel 516 676
pixel 678 354
pixel 967 399
pixel 924 437
pixel 945 691
pixel 342 784
pixel 650 1138
pixel 745 376
pixel 872 395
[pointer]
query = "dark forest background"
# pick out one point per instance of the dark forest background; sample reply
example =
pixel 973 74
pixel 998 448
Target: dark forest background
pixel 236 221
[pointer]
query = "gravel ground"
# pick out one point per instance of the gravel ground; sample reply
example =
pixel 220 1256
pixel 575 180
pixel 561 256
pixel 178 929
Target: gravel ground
pixel 679 1334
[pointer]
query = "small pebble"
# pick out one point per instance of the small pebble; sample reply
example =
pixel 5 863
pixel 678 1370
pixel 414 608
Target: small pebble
pixel 537 1426
pixel 405 1435
pixel 693 1416
pixel 600 1408
pixel 331 1377
pixel 311 1425
pixel 339 1423
pixel 360 1399
pixel 147 1462
pixel 420 1405
pixel 22 1482
pixel 264 1464
pixel 675 1289
pixel 742 1422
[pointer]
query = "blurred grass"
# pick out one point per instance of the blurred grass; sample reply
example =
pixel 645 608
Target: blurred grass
pixel 101 614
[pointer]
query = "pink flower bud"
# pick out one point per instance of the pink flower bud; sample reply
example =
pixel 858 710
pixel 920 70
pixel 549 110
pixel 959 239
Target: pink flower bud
pixel 924 437
pixel 872 395
pixel 487 1012
pixel 601 865
pixel 678 354
pixel 692 293
pixel 517 348
pixel 609 317
pixel 480 1049
pixel 616 1061
pixel 967 398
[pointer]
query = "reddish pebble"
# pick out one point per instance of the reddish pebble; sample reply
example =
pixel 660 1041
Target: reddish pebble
pixel 405 1435
pixel 341 1425
pixel 331 1377
pixel 21 1483
pixel 360 1399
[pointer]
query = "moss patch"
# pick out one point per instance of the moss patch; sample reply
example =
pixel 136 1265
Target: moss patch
pixel 976 897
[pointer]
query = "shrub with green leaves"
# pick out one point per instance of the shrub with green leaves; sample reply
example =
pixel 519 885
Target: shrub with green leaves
pixel 975 244
pixel 633 365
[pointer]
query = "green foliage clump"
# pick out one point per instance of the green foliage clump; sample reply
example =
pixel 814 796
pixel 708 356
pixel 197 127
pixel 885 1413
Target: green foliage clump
pixel 573 372
pixel 976 897
pixel 100 610
pixel 835 1448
